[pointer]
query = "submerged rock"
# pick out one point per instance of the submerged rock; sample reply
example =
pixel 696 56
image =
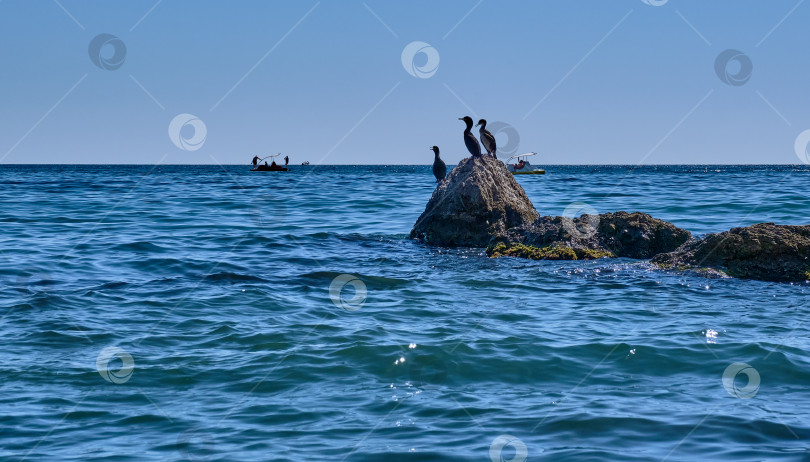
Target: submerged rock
pixel 620 234
pixel 765 251
pixel 479 199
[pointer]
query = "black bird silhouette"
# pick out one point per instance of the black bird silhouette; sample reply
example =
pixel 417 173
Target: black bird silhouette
pixel 469 139
pixel 487 139
pixel 439 167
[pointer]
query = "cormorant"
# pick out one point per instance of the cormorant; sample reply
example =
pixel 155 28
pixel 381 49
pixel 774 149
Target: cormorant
pixel 469 139
pixel 439 167
pixel 487 139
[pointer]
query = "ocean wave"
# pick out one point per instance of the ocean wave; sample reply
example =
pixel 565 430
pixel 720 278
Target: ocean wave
pixel 139 246
pixel 232 277
pixel 380 282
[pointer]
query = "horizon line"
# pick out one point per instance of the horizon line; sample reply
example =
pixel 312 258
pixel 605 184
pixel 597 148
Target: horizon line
pixel 398 165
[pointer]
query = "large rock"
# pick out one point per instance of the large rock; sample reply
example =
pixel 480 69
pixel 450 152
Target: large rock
pixel 765 251
pixel 479 199
pixel 481 205
pixel 620 234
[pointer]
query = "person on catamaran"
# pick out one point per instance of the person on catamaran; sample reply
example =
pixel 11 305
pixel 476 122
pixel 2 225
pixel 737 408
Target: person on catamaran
pixel 255 161
pixel 273 165
pixel 520 164
pixel 286 160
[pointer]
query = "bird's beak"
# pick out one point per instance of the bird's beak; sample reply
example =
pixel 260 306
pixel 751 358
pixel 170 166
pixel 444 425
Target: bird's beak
pixel 479 123
pixel 461 118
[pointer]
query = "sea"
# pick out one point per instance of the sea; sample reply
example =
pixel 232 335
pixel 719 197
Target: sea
pixel 168 313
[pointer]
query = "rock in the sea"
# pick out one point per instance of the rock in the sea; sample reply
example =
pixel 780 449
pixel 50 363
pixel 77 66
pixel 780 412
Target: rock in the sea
pixel 765 251
pixel 620 234
pixel 479 199
pixel 481 205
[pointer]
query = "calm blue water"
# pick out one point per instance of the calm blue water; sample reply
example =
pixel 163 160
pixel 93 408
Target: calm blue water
pixel 216 283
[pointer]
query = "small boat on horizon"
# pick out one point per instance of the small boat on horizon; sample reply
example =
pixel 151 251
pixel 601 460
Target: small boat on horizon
pixel 269 168
pixel 522 166
pixel 257 167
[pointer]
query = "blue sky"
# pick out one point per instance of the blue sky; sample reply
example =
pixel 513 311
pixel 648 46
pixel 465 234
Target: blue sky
pixel 581 82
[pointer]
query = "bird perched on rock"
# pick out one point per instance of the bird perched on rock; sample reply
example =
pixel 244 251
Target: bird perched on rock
pixel 469 139
pixel 487 139
pixel 439 167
